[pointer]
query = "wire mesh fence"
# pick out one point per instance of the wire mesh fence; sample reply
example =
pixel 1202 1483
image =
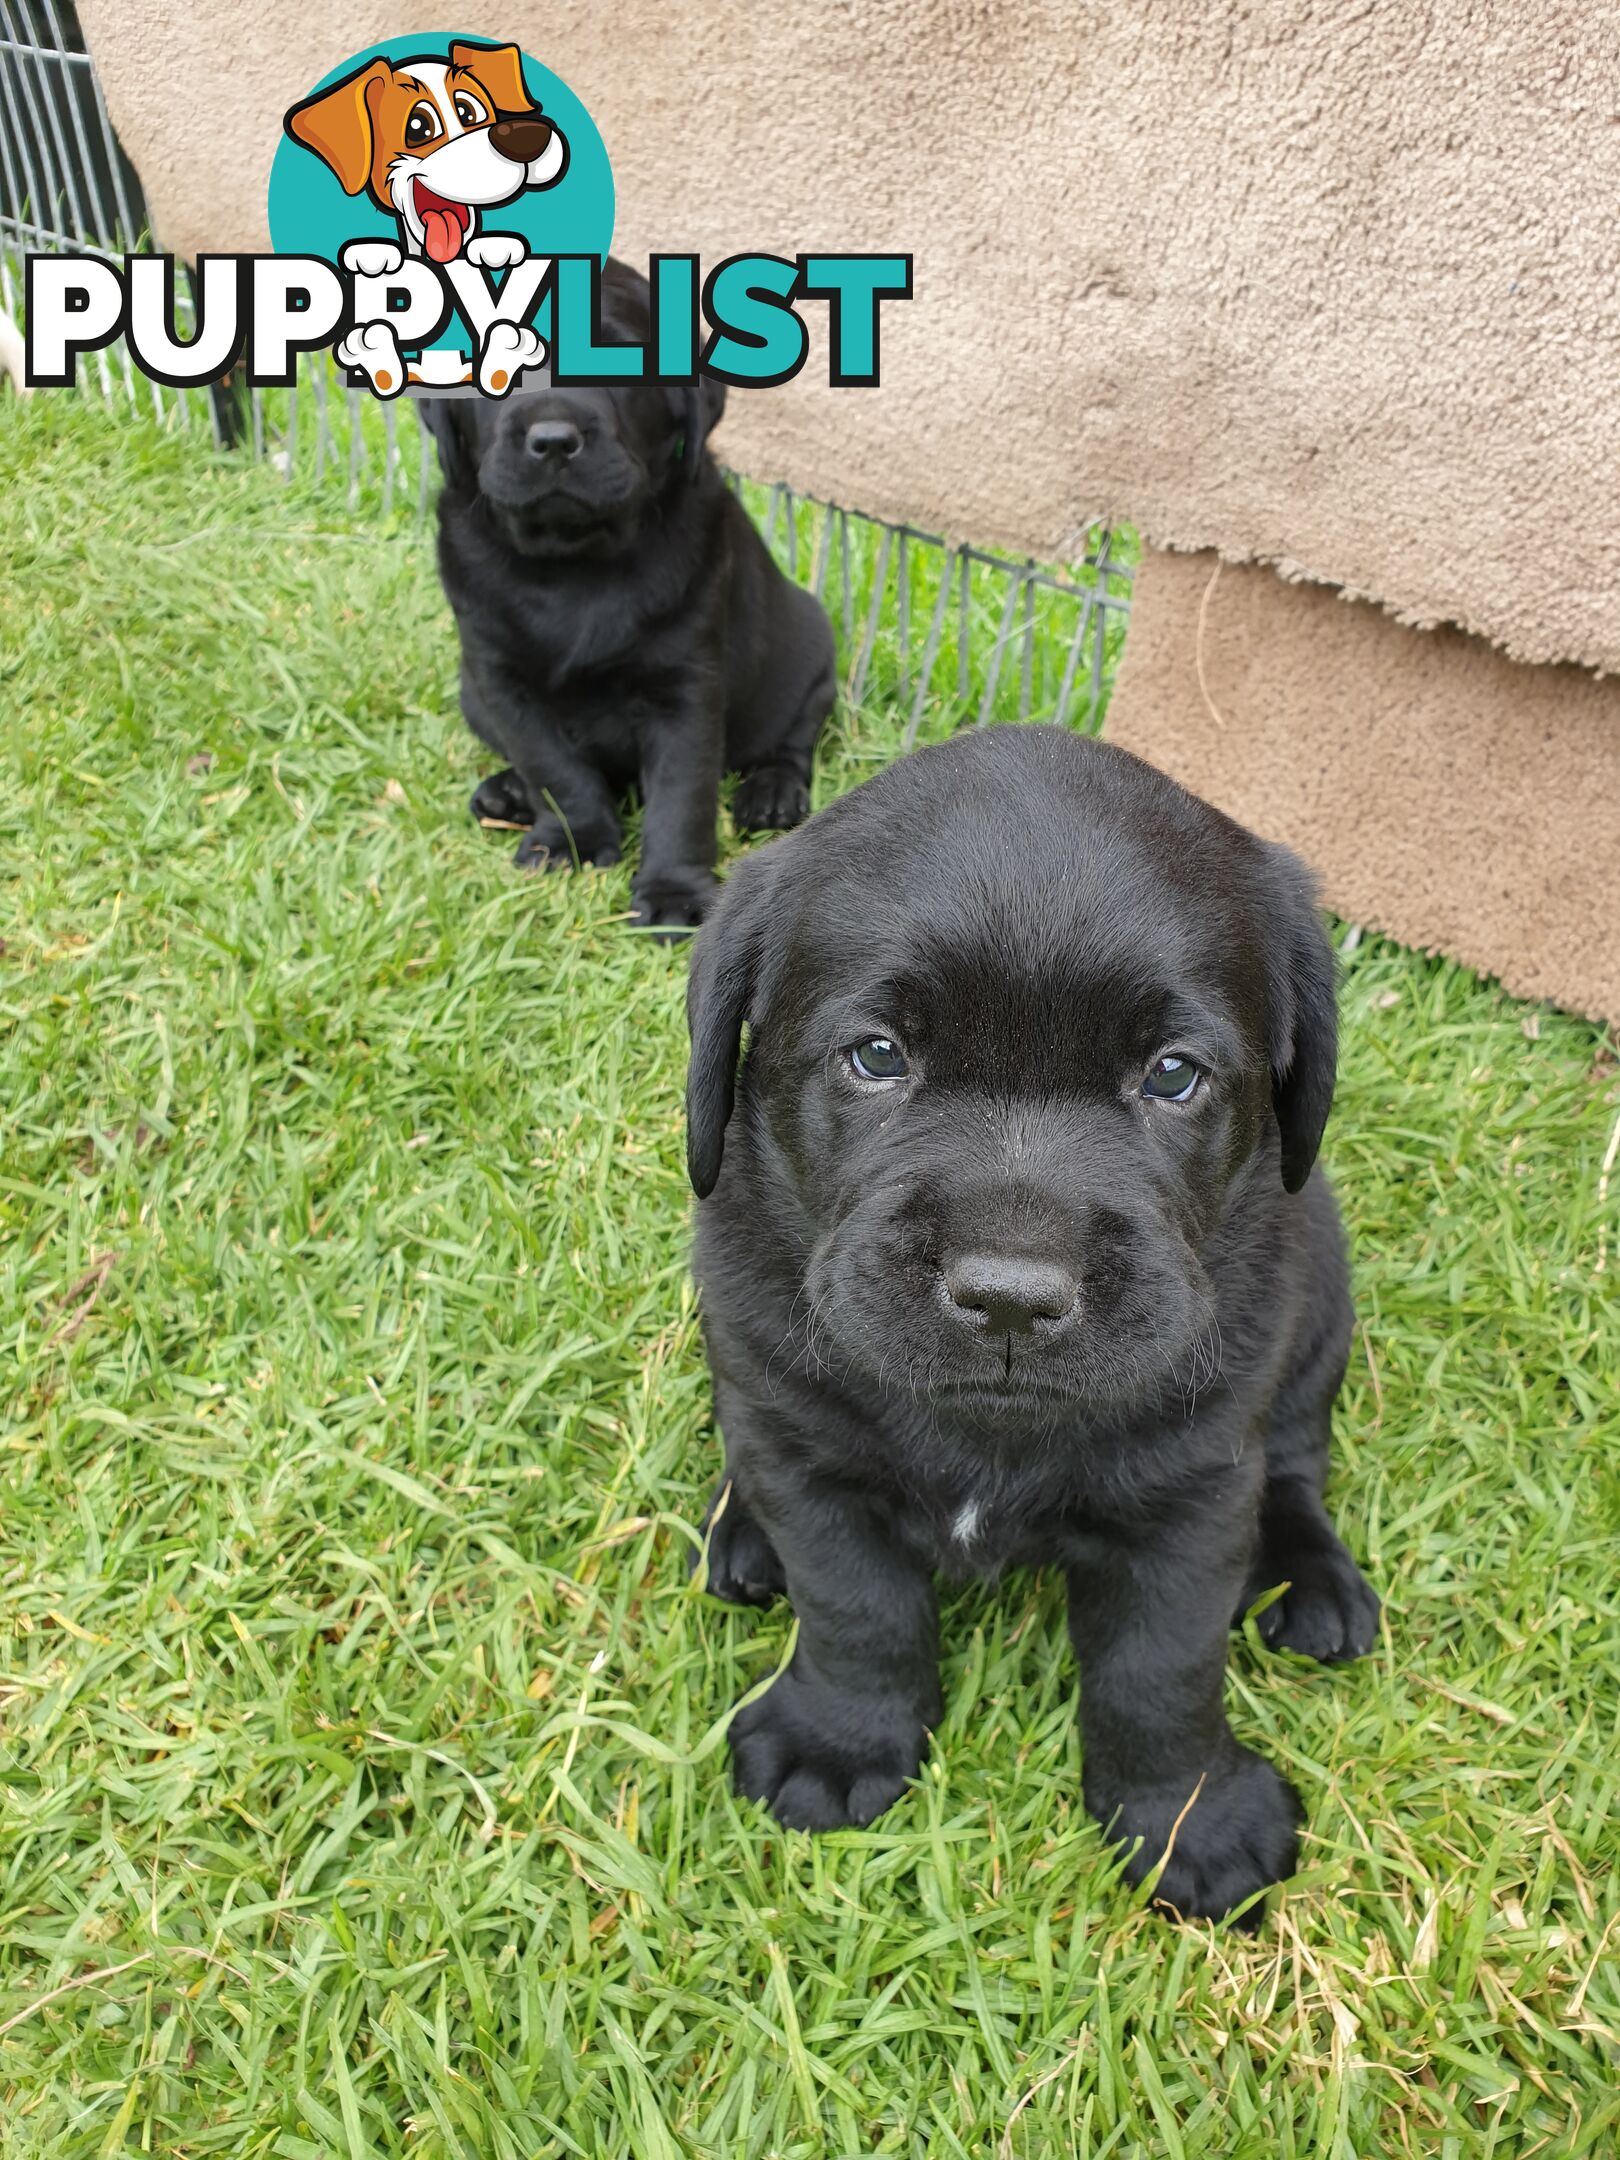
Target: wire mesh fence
pixel 64 180
pixel 944 634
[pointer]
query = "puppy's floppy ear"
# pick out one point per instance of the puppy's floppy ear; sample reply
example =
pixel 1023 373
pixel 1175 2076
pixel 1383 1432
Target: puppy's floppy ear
pixel 336 125
pixel 698 407
pixel 453 424
pixel 1302 1020
pixel 730 963
pixel 500 69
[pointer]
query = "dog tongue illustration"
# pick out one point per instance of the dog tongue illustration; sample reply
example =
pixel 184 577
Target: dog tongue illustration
pixel 444 223
pixel 442 233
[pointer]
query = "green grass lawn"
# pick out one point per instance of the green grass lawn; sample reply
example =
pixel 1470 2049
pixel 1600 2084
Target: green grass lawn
pixel 364 1785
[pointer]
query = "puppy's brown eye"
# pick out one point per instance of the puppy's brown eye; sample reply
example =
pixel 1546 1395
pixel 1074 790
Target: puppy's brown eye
pixel 1172 1079
pixel 468 110
pixel 422 126
pixel 879 1059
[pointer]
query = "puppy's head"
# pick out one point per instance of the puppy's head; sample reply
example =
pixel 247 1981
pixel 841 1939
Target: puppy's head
pixel 434 140
pixel 577 471
pixel 1023 1018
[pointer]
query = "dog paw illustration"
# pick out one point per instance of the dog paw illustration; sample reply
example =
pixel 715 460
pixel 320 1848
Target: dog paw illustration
pixel 507 350
pixel 373 350
pixel 371 258
pixel 495 251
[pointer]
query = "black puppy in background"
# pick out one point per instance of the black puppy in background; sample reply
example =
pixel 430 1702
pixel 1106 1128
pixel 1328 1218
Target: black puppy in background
pixel 1012 1252
pixel 623 625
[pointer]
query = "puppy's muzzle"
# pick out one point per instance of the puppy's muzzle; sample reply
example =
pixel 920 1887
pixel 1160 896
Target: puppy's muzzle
pixel 520 139
pixel 1010 1294
pixel 553 441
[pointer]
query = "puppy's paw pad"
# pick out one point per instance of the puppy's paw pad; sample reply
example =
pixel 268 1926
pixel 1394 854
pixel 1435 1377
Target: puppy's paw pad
pixel 1238 1837
pixel 820 1761
pixel 743 1568
pixel 673 906
pixel 508 349
pixel 1328 1612
pixel 771 799
pixel 495 250
pixel 371 258
pixel 503 799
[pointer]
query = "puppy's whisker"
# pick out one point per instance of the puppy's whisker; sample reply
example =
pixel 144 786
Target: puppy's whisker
pixel 817 1332
pixel 804 1303
pixel 786 1338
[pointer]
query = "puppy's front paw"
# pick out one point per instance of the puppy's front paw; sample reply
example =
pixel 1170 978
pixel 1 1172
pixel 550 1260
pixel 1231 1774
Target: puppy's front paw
pixel 503 799
pixel 821 1760
pixel 372 350
pixel 371 258
pixel 674 902
pixel 772 798
pixel 1329 1610
pixel 495 250
pixel 507 350
pixel 548 845
pixel 1240 1835
pixel 743 1568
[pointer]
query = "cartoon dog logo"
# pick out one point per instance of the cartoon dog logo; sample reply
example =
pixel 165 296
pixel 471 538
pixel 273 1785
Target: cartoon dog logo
pixel 433 142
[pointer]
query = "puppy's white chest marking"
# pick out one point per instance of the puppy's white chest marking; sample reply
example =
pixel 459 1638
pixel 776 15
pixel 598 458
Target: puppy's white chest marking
pixel 966 1524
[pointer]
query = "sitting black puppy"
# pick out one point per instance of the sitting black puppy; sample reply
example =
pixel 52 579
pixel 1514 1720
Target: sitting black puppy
pixel 1012 1252
pixel 622 624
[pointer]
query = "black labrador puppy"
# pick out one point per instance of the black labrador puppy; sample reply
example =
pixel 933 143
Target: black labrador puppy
pixel 623 625
pixel 1012 1252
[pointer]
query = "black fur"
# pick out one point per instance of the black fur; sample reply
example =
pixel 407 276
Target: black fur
pixel 623 625
pixel 1036 921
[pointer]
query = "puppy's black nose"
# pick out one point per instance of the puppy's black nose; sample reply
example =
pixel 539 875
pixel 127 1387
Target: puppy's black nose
pixel 553 439
pixel 520 139
pixel 1010 1294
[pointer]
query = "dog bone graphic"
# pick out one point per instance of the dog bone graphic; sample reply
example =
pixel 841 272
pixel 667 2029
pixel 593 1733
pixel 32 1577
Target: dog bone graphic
pixel 374 350
pixel 495 251
pixel 371 258
pixel 507 350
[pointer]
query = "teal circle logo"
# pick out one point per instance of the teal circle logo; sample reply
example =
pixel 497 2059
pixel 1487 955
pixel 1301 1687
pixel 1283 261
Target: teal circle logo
pixel 455 151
